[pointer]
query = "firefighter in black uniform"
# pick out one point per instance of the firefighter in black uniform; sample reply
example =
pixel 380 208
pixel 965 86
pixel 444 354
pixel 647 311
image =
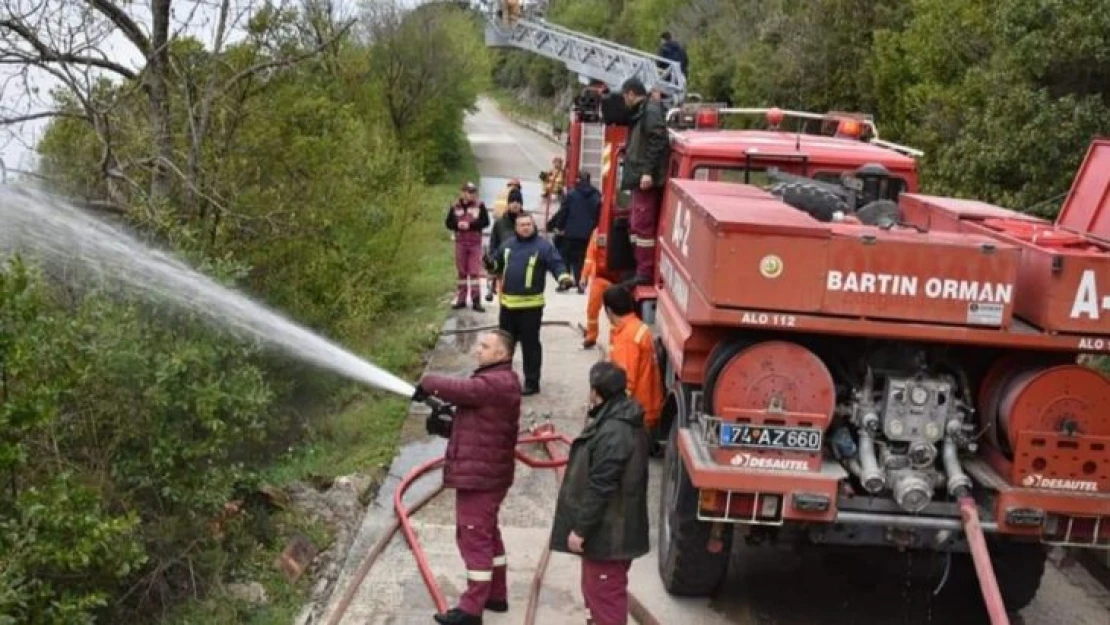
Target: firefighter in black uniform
pixel 521 262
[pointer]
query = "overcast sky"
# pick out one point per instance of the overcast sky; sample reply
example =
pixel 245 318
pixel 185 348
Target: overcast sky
pixel 194 17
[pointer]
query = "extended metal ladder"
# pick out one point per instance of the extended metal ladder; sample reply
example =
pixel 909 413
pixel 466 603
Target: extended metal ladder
pixel 590 57
pixel 592 149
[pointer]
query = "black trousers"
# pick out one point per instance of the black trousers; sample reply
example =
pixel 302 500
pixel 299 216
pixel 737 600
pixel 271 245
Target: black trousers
pixel 524 325
pixel 574 253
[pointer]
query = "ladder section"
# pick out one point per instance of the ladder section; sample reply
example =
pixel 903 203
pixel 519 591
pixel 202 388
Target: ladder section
pixel 592 149
pixel 590 57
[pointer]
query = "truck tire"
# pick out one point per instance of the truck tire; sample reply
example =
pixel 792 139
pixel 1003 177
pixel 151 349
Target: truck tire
pixel 882 213
pixel 686 566
pixel 816 201
pixel 1018 567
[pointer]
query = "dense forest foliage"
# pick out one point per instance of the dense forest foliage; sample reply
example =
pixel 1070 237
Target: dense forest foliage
pixel 292 161
pixel 1002 95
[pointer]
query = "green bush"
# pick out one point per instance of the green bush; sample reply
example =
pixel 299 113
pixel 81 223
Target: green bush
pixel 126 427
pixel 1002 96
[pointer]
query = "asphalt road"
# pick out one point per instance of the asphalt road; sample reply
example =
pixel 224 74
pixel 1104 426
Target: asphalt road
pixel 768 586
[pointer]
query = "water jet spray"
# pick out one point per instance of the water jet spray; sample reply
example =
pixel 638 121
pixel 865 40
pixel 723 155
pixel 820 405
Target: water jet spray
pixel 51 231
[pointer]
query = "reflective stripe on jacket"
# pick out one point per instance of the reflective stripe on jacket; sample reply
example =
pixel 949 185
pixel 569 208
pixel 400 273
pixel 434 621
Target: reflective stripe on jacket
pixel 555 182
pixel 522 265
pixel 474 215
pixel 589 266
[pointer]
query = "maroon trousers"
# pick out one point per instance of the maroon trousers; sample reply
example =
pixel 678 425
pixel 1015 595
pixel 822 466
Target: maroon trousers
pixel 468 263
pixel 605 589
pixel 483 552
pixel 645 215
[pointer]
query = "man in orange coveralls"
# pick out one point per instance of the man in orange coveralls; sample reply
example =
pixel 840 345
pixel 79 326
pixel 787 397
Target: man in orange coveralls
pixel 597 286
pixel 632 348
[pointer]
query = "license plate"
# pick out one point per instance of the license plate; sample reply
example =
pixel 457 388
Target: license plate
pixel 770 437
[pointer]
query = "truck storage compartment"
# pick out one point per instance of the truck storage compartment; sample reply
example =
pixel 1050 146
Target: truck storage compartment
pixel 951 214
pixel 1064 276
pixel 746 249
pixel 903 274
pixel 742 247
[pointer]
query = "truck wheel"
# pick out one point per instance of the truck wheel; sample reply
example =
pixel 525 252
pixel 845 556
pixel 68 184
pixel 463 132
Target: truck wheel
pixel 882 213
pixel 1018 567
pixel 816 201
pixel 686 566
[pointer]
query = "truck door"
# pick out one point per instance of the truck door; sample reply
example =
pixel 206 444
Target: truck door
pixel 619 257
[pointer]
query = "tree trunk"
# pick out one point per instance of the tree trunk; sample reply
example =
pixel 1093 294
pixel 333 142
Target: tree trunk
pixel 161 123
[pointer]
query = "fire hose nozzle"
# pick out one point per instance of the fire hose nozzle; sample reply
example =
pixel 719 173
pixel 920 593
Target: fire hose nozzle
pixel 439 421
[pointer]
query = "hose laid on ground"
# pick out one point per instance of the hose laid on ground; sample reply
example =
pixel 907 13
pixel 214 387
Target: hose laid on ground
pixel 497 327
pixel 992 597
pixel 545 435
pixel 372 557
pixel 406 525
pixel 635 608
pixel 541 567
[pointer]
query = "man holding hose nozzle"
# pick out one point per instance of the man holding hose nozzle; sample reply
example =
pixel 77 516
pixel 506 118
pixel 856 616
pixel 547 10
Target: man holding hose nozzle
pixel 601 511
pixel 480 463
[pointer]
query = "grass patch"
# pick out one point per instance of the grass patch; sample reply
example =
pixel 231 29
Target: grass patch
pixel 362 437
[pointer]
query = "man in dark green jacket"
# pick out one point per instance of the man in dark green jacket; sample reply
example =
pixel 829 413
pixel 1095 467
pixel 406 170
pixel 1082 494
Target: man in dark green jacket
pixel 645 170
pixel 601 513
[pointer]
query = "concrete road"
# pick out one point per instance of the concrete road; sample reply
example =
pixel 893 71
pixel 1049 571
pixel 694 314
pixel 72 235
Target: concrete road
pixel 768 586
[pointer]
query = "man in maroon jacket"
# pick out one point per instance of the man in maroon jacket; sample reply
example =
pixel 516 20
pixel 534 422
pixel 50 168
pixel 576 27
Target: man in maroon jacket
pixel 480 465
pixel 467 218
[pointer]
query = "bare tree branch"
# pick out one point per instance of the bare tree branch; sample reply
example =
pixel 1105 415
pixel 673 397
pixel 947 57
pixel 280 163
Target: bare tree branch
pixel 47 54
pixel 125 24
pixel 287 61
pixel 19 119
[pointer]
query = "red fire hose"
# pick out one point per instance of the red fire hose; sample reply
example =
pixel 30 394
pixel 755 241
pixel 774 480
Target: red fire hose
pixel 541 567
pixel 637 609
pixel 544 434
pixel 992 597
pixel 406 525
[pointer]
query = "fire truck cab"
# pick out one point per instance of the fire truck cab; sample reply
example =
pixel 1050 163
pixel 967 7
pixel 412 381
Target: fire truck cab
pixel 832 165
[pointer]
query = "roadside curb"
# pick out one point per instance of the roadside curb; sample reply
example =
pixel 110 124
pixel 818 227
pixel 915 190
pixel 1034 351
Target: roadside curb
pixel 540 128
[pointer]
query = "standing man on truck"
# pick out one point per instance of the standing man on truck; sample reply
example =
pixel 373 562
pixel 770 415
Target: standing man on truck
pixel 467 218
pixel 645 168
pixel 673 51
pixel 521 263
pixel 601 510
pixel 632 348
pixel 597 286
pixel 480 465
